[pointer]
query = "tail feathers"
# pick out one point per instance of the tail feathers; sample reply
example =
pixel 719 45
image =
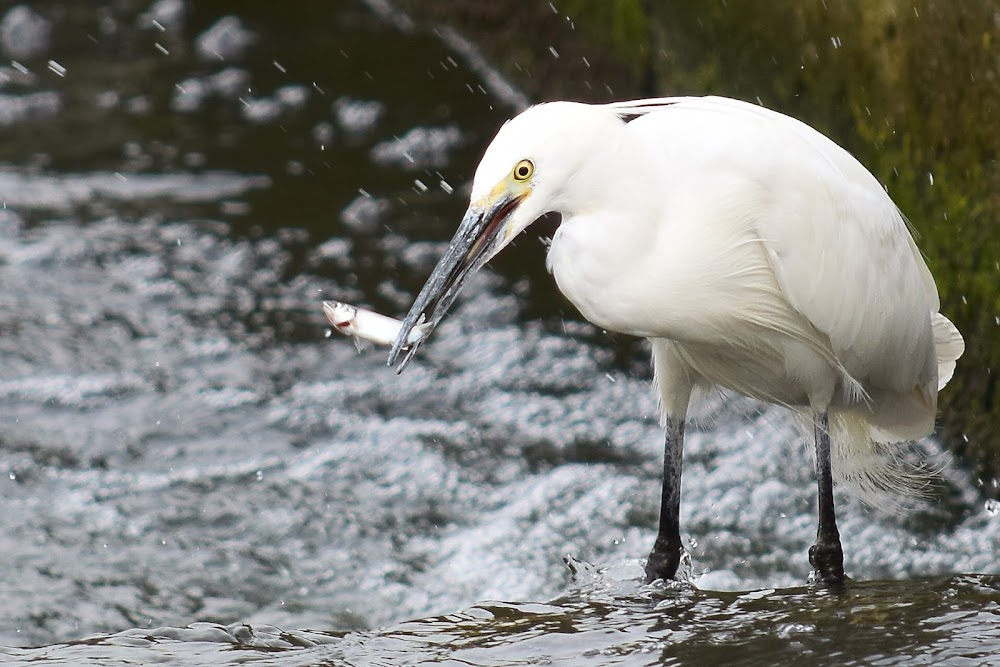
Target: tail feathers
pixel 875 472
pixel 949 346
pixel 868 458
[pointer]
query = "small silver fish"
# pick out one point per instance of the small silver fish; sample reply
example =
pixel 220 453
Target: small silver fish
pixel 369 325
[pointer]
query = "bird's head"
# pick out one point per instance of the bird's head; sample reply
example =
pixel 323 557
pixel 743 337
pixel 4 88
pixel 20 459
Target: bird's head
pixel 523 175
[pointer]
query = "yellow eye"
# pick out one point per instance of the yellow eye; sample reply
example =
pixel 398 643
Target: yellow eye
pixel 523 170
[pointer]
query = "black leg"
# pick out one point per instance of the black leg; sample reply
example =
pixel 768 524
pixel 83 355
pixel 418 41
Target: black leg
pixel 666 554
pixel 826 556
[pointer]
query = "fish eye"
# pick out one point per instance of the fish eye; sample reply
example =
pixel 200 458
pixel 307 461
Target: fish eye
pixel 523 170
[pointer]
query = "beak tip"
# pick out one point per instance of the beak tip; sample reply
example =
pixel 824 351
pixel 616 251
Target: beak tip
pixel 398 346
pixel 394 356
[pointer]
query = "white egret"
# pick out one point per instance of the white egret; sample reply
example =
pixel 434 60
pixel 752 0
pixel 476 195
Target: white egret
pixel 753 252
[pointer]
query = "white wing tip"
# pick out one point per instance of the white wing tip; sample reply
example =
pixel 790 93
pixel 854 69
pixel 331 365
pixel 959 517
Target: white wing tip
pixel 948 345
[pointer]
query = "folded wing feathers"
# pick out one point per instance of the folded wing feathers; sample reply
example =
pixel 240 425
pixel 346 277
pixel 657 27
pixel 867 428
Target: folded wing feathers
pixel 949 346
pixel 948 342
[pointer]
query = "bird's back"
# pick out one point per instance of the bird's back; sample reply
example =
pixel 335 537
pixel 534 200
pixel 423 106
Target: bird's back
pixel 840 255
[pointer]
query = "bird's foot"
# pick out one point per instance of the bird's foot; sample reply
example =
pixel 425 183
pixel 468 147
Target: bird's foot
pixel 663 561
pixel 827 559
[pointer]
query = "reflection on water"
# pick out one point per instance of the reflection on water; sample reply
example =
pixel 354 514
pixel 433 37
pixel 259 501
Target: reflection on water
pixel 185 452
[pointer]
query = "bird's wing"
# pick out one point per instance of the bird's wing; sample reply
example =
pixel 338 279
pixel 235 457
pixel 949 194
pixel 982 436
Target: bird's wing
pixel 840 251
pixel 844 259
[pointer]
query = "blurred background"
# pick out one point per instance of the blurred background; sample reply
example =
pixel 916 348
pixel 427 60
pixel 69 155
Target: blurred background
pixel 183 184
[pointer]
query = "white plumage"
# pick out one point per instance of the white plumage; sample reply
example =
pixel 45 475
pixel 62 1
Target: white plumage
pixel 755 253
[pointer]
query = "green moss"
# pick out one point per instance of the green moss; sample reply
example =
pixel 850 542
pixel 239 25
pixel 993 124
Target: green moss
pixel 625 23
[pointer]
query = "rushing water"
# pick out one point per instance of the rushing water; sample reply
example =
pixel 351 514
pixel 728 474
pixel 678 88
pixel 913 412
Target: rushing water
pixel 196 474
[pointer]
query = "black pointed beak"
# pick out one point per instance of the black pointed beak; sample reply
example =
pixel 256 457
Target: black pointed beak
pixel 480 236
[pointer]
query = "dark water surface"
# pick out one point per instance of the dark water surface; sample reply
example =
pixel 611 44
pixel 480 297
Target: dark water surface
pixel 611 622
pixel 194 474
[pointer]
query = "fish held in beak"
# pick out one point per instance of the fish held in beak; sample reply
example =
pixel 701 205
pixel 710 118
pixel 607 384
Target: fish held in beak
pixel 367 325
pixel 480 236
